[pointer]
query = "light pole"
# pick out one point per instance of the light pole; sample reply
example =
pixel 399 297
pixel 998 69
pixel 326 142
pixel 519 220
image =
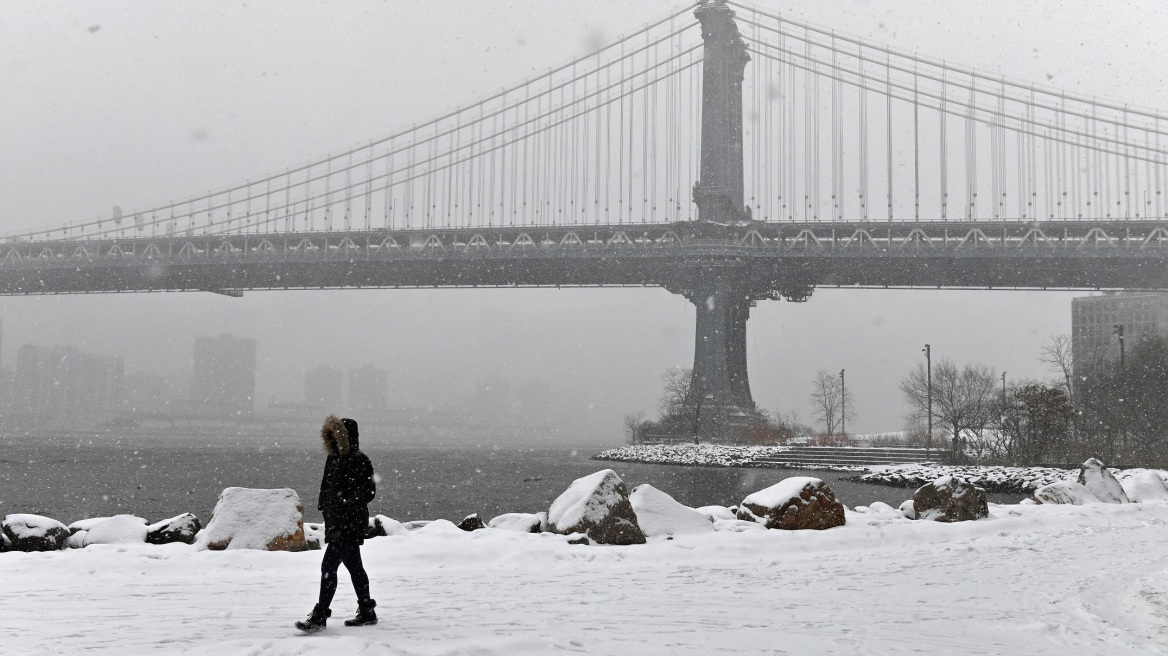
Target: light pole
pixel 843 405
pixel 929 387
pixel 1003 392
pixel 1119 332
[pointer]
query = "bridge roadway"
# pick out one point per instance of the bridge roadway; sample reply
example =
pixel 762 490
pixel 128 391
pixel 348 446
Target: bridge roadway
pixel 767 259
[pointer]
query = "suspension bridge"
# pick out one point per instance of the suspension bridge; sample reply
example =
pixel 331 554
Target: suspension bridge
pixel 726 153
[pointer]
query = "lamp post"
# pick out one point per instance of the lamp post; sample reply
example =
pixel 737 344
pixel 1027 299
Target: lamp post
pixel 1119 332
pixel 843 405
pixel 1003 391
pixel 929 387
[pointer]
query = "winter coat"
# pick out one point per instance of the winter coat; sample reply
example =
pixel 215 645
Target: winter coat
pixel 347 486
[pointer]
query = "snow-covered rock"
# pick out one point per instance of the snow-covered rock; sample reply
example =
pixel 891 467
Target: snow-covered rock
pixel 950 499
pixel 717 512
pixel 417 524
pixel 472 522
pixel 247 518
pixel 387 526
pixel 908 509
pixel 598 506
pixel 737 526
pixel 799 502
pixel 659 514
pixel 313 536
pixel 520 522
pixel 34 533
pixel 1094 476
pixel 119 529
pixel 1145 487
pixel 182 528
pixel 85 524
pixel 1065 492
pixel 5 542
pixel 76 540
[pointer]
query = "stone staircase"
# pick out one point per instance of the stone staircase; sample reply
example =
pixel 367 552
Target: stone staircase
pixel 850 456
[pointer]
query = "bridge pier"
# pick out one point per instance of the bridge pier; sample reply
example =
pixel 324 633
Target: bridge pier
pixel 719 370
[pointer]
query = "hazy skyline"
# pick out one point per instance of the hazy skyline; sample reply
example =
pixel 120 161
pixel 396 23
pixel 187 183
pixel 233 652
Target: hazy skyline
pixel 129 103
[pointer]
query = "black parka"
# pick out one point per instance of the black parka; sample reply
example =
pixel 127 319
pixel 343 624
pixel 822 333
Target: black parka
pixel 347 486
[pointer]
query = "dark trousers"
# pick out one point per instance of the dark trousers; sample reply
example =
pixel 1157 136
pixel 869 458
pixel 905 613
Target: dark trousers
pixel 336 553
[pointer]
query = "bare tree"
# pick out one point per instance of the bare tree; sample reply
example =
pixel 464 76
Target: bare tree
pixel 827 395
pixel 633 429
pixel 963 398
pixel 684 397
pixel 1058 356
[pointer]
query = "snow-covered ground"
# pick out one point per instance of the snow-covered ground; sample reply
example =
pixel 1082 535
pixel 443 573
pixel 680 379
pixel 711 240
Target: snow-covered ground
pixel 1023 480
pixel 704 455
pixel 1028 580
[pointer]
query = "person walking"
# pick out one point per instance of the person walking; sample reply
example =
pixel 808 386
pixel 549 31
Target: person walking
pixel 346 489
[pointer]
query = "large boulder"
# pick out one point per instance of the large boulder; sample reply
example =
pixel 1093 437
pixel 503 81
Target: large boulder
pixel 1145 487
pixel 1064 492
pixel 950 499
pixel 659 514
pixel 182 528
pixel 799 502
pixel 119 529
pixel 520 522
pixel 598 506
pixel 1095 476
pixel 247 518
pixel 5 542
pixel 34 533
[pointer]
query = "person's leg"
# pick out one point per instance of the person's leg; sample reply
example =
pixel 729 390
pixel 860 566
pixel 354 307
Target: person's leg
pixel 351 556
pixel 334 554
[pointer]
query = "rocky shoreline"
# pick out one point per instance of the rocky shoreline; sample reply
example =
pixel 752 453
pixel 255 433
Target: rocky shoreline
pixel 693 455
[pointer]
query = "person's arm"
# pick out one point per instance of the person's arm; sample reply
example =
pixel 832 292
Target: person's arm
pixel 321 500
pixel 368 485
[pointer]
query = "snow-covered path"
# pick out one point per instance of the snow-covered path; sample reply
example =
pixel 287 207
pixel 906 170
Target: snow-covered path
pixel 1031 579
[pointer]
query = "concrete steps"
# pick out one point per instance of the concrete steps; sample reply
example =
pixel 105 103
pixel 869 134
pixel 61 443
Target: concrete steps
pixel 851 456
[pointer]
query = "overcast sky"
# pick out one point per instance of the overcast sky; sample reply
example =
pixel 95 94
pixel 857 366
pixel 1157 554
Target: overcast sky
pixel 130 103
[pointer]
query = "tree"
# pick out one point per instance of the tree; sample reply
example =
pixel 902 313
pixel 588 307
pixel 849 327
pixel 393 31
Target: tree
pixel 1036 424
pixel 963 398
pixel 1058 356
pixel 828 398
pixel 684 397
pixel 633 423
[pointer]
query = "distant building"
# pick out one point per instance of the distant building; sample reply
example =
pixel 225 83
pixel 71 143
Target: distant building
pixel 1096 322
pixel 62 386
pixel 368 388
pixel 324 388
pixel 224 375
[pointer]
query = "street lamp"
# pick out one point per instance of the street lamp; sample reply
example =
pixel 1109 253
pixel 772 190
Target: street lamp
pixel 1119 332
pixel 843 405
pixel 929 367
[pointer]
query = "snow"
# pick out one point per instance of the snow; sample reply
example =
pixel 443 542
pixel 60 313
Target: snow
pixel 1065 492
pixel 85 524
pixel 519 522
pixel 1145 487
pixel 588 499
pixel 119 529
pixel 31 526
pixel 1022 480
pixel 782 492
pixel 247 518
pixel 704 455
pixel 388 526
pixel 1029 580
pixel 660 515
pixel 717 512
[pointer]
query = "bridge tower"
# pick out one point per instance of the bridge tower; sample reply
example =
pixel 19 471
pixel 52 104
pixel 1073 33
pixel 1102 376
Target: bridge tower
pixel 716 283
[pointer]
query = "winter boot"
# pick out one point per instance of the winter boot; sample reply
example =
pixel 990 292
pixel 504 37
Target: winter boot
pixel 365 614
pixel 316 621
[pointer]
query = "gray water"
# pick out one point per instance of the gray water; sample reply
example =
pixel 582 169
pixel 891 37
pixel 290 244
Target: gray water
pixel 75 478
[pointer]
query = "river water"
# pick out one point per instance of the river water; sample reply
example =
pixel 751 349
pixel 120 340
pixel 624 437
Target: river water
pixel 154 477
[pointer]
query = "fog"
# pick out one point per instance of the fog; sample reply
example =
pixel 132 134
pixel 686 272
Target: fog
pixel 121 103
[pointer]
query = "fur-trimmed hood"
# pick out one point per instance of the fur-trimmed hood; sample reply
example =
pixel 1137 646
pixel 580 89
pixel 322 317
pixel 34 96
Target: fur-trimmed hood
pixel 334 437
